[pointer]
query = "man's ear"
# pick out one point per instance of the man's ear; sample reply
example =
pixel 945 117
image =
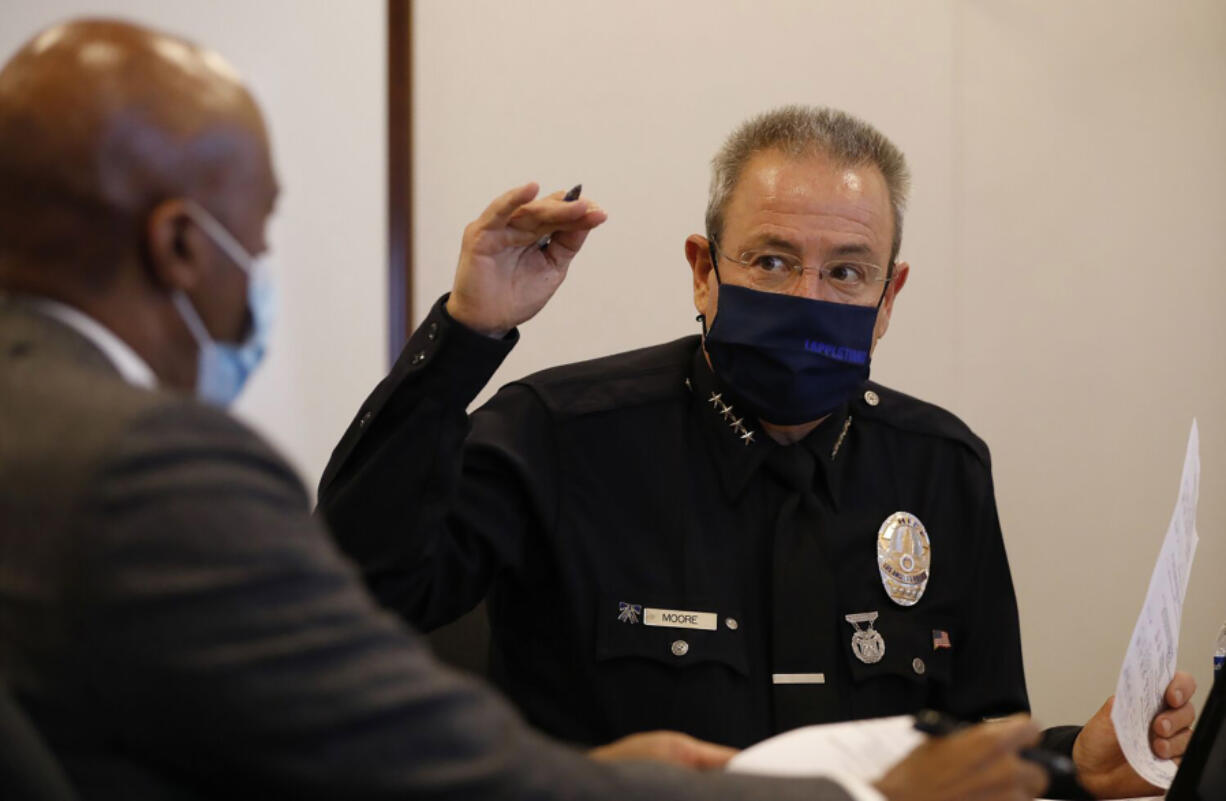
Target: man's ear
pixel 901 271
pixel 178 250
pixel 698 254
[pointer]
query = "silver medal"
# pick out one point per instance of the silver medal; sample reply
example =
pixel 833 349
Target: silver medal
pixel 904 558
pixel 867 644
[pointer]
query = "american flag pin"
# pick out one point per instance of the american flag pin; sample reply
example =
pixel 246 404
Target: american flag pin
pixel 940 639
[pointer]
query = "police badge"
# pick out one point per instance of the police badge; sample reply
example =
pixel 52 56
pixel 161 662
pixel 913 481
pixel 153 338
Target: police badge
pixel 904 558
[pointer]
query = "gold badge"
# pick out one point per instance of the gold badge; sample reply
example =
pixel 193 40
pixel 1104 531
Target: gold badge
pixel 904 557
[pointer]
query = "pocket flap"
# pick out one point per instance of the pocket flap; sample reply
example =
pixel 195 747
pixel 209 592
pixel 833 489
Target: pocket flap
pixel 674 632
pixel 918 647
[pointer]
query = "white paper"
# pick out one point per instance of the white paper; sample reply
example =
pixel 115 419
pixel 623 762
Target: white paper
pixel 1149 664
pixel 861 749
pixel 865 749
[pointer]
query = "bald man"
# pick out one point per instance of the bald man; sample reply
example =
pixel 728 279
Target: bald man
pixel 172 619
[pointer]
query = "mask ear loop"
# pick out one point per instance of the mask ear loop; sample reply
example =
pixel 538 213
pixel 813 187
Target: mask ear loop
pixel 702 318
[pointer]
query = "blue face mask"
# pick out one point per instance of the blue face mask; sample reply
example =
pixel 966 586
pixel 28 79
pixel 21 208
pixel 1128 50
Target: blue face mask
pixel 792 360
pixel 223 368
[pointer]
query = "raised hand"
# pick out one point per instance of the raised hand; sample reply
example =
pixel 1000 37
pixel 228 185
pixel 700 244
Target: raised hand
pixel 503 278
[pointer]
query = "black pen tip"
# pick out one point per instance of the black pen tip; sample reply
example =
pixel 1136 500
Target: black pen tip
pixel 573 194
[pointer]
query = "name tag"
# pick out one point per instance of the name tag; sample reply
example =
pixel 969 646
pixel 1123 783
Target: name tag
pixel 680 619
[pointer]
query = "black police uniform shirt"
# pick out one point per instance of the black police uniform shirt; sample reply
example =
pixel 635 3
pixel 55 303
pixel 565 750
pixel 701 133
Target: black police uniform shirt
pixel 580 498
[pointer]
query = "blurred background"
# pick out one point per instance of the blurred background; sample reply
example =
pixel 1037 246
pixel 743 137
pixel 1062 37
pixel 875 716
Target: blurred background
pixel 1066 231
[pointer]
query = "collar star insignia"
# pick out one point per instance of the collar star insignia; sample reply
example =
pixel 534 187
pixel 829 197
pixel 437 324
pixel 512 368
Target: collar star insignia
pixel 737 424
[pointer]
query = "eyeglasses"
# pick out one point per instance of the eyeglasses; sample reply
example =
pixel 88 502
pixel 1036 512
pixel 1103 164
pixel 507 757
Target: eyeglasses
pixel 774 271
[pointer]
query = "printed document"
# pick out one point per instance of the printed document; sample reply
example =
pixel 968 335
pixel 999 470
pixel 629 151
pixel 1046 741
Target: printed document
pixel 1149 664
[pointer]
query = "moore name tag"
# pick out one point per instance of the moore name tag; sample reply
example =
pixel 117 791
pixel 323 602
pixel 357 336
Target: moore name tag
pixel 680 619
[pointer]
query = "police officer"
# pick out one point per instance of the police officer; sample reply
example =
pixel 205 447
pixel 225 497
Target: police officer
pixel 732 534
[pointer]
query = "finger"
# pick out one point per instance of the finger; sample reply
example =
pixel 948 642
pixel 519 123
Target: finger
pixel 498 213
pixel 549 213
pixel 1032 778
pixel 564 245
pixel 525 231
pixel 570 241
pixel 642 745
pixel 1008 776
pixel 1181 688
pixel 1171 747
pixel 670 747
pixel 1173 720
pixel 704 755
pixel 521 239
pixel 990 739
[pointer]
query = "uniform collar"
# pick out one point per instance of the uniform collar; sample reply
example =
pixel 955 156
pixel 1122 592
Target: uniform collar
pixel 135 370
pixel 739 446
pixel 829 444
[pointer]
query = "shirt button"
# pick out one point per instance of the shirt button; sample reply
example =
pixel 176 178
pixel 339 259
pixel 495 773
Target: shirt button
pixel 433 332
pixel 365 419
pixel 871 398
pixel 418 357
pixel 680 648
pixel 918 666
pixel 731 623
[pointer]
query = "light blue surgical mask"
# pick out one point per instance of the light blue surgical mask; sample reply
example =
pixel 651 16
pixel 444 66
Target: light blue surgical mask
pixel 224 367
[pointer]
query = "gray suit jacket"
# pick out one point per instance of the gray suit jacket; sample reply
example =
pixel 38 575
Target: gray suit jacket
pixel 177 625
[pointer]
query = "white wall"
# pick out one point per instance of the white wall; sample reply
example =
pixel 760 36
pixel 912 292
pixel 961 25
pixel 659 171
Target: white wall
pixel 1065 236
pixel 318 70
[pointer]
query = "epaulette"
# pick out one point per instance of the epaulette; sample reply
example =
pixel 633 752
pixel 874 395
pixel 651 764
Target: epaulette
pixel 898 410
pixel 632 378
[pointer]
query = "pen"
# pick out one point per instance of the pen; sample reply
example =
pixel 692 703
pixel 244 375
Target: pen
pixel 1059 767
pixel 570 197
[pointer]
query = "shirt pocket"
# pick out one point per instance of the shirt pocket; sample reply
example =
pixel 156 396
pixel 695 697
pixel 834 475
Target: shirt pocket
pixel 915 669
pixel 674 676
pixel 685 633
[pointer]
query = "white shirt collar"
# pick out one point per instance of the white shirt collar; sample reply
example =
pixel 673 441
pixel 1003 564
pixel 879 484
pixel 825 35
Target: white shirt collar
pixel 132 367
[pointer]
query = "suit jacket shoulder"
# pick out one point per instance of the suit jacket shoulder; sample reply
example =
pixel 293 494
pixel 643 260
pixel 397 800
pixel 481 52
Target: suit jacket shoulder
pixel 77 414
pixel 62 405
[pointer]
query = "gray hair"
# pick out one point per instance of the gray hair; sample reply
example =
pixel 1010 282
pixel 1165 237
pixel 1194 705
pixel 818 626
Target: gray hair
pixel 804 130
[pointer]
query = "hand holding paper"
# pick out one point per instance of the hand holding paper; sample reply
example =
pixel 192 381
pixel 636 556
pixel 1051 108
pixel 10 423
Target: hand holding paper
pixel 1126 748
pixel 1101 765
